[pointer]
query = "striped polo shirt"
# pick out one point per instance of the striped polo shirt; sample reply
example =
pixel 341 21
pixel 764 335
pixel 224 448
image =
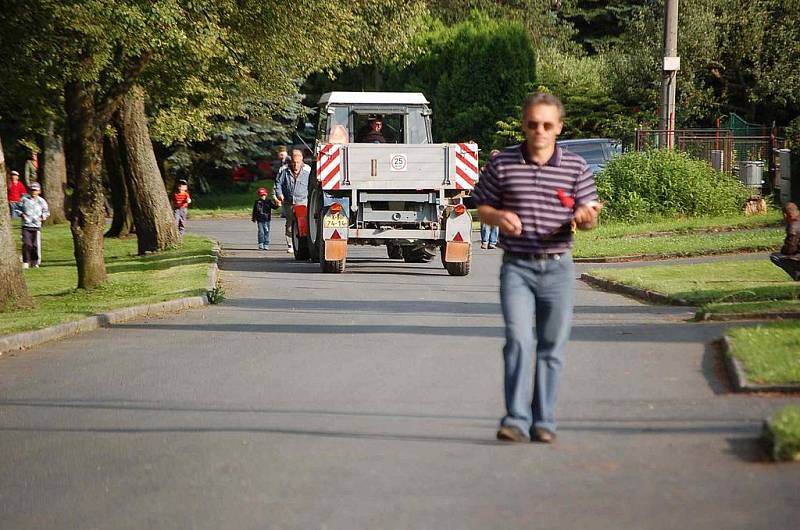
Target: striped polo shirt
pixel 539 195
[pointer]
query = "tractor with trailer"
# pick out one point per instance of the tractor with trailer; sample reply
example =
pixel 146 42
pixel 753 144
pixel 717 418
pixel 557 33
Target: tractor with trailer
pixel 392 188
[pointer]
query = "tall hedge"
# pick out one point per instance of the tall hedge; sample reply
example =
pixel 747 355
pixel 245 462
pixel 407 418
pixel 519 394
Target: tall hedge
pixel 641 186
pixel 474 73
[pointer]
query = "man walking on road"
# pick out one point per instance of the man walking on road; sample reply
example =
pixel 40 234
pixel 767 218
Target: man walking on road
pixel 534 192
pixel 291 187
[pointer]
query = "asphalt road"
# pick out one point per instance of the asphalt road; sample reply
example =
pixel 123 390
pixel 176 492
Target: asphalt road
pixel 370 400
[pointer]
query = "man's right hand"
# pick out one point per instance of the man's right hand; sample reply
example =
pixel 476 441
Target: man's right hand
pixel 509 223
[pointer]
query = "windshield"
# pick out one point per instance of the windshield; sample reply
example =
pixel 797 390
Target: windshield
pixel 417 127
pixel 591 152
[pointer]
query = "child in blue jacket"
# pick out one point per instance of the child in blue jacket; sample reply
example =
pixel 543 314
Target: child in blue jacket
pixel 262 215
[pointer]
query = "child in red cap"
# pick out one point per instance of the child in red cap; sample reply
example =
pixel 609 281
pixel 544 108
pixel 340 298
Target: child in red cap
pixel 262 215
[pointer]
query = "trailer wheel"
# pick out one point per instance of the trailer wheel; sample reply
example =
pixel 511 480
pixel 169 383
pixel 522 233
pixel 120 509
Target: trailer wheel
pixel 300 244
pixel 394 251
pixel 460 268
pixel 335 267
pixel 423 254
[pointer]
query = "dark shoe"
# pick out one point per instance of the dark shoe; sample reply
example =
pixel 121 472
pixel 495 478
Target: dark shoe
pixel 544 436
pixel 509 433
pixel 492 246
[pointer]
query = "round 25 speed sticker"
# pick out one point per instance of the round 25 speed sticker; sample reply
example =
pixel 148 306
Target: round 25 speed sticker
pixel 398 162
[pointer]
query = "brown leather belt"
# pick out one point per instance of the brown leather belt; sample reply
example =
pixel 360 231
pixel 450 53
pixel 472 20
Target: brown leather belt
pixel 534 256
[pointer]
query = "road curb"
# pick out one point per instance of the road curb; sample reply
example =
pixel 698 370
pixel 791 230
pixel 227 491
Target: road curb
pixel 29 339
pixel 663 257
pixel 739 378
pixel 764 315
pixel 642 294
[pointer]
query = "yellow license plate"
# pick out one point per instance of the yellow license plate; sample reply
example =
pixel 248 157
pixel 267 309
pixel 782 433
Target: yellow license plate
pixel 335 221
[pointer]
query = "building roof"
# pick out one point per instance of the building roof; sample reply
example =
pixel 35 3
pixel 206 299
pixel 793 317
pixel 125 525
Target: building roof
pixel 372 98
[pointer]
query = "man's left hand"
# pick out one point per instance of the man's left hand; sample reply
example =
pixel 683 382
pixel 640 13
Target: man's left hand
pixel 586 215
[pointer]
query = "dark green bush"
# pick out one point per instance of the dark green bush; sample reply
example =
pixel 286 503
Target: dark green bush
pixel 474 73
pixel 640 186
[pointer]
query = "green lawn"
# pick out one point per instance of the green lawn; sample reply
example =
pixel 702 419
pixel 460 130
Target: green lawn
pixel 769 353
pixel 679 237
pixel 783 431
pixel 227 204
pixel 761 307
pixel 132 280
pixel 735 280
pixel 610 229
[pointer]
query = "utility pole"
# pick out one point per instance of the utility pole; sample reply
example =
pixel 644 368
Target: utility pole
pixel 669 77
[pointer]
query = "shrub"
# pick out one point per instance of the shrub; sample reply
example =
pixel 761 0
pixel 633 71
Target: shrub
pixel 640 186
pixel 474 73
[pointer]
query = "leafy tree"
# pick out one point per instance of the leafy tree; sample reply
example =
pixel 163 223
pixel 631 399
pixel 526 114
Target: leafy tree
pixel 736 55
pixel 201 56
pixel 546 20
pixel 466 98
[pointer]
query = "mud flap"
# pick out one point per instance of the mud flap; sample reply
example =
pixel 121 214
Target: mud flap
pixel 456 252
pixel 301 214
pixel 335 249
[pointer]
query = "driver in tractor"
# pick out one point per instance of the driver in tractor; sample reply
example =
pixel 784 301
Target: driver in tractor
pixel 372 134
pixel 291 188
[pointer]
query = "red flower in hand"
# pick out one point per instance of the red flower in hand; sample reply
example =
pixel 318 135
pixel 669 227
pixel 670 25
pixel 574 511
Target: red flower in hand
pixel 566 200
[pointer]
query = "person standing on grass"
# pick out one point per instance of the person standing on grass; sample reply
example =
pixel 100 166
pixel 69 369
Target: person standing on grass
pixel 262 215
pixel 788 258
pixel 291 187
pixel 180 205
pixel 534 192
pixel 16 190
pixel 33 210
pixel 489 233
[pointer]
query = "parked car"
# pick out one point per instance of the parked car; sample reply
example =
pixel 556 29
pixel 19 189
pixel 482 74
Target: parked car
pixel 596 151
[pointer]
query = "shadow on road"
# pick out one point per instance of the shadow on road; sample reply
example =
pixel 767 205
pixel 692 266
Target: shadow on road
pixel 674 333
pixel 748 449
pixel 287 264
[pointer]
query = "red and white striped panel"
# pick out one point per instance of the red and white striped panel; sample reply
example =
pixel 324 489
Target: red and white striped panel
pixel 466 166
pixel 329 166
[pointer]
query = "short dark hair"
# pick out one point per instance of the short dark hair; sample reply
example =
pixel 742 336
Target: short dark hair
pixel 543 98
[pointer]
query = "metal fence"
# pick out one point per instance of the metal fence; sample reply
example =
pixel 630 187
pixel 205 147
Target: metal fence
pixel 720 147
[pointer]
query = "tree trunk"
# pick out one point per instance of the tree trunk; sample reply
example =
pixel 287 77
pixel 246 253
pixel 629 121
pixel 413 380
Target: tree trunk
pixel 13 289
pixel 122 223
pixel 55 176
pixel 152 213
pixel 85 149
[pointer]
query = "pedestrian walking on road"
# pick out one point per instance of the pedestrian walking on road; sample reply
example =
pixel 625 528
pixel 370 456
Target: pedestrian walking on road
pixel 490 233
pixel 33 210
pixel 788 258
pixel 534 192
pixel 262 215
pixel 16 190
pixel 291 187
pixel 180 205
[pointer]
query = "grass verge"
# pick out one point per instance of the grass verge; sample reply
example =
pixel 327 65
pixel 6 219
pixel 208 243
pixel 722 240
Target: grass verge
pixel 236 203
pixel 765 308
pixel 132 280
pixel 768 353
pixel 783 433
pixel 588 245
pixel 666 238
pixel 706 283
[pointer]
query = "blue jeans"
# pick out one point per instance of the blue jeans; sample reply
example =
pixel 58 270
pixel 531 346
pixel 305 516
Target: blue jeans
pixel 535 295
pixel 180 220
pixel 489 234
pixel 263 233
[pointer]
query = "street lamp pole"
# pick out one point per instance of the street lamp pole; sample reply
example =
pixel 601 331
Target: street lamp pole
pixel 671 65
